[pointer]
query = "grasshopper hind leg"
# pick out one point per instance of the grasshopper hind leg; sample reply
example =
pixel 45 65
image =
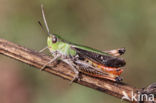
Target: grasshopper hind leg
pixel 92 71
pixel 118 79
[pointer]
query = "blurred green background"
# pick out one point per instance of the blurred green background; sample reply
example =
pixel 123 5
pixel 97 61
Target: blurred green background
pixel 102 24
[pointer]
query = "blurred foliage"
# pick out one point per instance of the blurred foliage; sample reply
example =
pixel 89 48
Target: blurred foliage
pixel 102 24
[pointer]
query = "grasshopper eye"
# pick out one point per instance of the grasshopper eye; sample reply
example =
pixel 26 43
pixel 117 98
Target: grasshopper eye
pixel 54 39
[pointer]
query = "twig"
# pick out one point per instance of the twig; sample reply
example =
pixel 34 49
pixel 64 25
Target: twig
pixel 37 60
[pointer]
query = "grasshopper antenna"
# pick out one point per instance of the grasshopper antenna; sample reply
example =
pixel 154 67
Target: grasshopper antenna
pixel 42 27
pixel 44 19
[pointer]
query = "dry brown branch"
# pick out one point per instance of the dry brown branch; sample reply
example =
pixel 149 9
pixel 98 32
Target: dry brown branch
pixel 37 60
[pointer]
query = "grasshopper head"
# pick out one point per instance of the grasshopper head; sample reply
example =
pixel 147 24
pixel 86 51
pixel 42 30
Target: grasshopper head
pixel 52 39
pixel 53 42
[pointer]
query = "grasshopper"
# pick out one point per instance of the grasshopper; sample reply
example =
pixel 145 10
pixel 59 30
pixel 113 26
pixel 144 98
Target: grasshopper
pixel 93 62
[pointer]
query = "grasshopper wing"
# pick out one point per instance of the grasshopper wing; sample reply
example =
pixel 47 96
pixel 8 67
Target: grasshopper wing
pixel 116 52
pixel 102 58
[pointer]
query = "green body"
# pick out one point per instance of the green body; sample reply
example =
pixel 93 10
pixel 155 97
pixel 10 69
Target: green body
pixel 60 46
pixel 65 47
